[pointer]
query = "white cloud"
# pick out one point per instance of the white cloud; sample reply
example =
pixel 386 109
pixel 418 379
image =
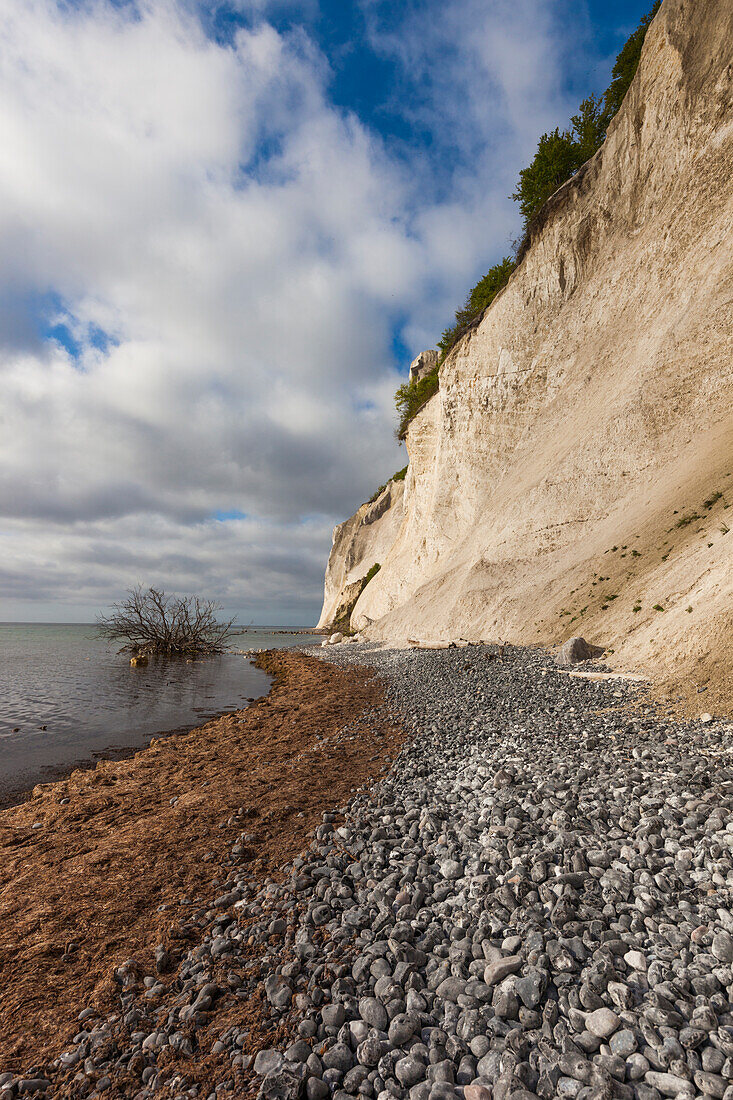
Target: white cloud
pixel 245 246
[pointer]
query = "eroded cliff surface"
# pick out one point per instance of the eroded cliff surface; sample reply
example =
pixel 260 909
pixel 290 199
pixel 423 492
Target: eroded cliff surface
pixel 361 542
pixel 565 478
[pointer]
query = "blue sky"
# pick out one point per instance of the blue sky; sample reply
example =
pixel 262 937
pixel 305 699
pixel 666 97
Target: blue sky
pixel 224 232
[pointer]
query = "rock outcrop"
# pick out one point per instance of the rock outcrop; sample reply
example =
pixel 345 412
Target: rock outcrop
pixel 423 364
pixel 358 544
pixel 575 469
pixel 575 650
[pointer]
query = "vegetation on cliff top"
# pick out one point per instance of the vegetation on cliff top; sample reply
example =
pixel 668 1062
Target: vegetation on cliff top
pixel 411 397
pixel 479 298
pixel 561 153
pixel 399 476
pixel 559 156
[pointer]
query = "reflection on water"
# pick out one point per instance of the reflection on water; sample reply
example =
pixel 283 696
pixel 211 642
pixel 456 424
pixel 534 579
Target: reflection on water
pixel 65 678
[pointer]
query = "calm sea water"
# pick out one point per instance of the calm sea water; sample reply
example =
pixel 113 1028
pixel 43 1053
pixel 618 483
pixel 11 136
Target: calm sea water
pixel 93 704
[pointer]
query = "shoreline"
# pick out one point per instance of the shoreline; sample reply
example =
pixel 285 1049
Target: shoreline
pixel 105 864
pixel 70 702
pixel 290 633
pixel 17 796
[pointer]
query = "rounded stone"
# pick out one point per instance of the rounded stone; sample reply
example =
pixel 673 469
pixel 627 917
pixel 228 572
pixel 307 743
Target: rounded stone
pixel 623 1043
pixel 373 1013
pixel 409 1071
pixel 267 1061
pixel 602 1022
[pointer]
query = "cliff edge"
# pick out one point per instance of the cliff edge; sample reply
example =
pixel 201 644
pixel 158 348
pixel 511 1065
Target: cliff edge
pixel 575 470
pixel 359 544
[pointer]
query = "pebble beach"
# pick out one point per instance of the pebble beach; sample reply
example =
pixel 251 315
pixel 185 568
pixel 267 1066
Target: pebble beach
pixel 536 900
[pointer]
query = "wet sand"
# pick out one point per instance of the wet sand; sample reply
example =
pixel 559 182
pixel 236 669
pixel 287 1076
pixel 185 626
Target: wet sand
pixel 89 883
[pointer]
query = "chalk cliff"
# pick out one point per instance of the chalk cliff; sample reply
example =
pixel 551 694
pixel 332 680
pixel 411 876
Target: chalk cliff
pixel 574 471
pixel 358 544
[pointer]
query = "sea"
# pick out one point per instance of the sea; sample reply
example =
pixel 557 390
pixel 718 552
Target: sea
pixel 68 698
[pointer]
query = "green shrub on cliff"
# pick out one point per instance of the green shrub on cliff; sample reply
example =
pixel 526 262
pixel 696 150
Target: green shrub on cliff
pixel 410 398
pixel 627 62
pixel 561 153
pixel 589 127
pixel 370 574
pixel 479 297
pixel 342 619
pixel 554 162
pixel 399 476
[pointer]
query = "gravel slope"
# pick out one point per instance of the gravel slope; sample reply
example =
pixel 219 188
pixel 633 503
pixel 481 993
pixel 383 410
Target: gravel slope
pixel 535 902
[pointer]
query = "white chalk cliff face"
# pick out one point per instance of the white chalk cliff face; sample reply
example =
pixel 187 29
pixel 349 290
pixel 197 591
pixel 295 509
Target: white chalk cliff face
pixel 358 544
pixel 589 414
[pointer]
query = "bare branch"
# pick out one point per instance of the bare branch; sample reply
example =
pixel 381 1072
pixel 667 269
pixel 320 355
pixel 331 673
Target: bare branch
pixel 151 622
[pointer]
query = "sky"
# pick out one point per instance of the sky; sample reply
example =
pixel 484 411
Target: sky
pixel 225 231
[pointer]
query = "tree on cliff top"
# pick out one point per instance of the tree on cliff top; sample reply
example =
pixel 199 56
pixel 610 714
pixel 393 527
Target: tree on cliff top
pixel 554 162
pixel 561 153
pixel 559 156
pixel 627 62
pixel 151 622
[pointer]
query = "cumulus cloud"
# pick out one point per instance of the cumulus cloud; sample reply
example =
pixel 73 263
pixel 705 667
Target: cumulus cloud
pixel 203 265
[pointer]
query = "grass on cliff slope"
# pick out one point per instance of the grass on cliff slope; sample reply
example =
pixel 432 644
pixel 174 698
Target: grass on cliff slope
pixel 399 476
pixel 559 156
pixel 342 619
